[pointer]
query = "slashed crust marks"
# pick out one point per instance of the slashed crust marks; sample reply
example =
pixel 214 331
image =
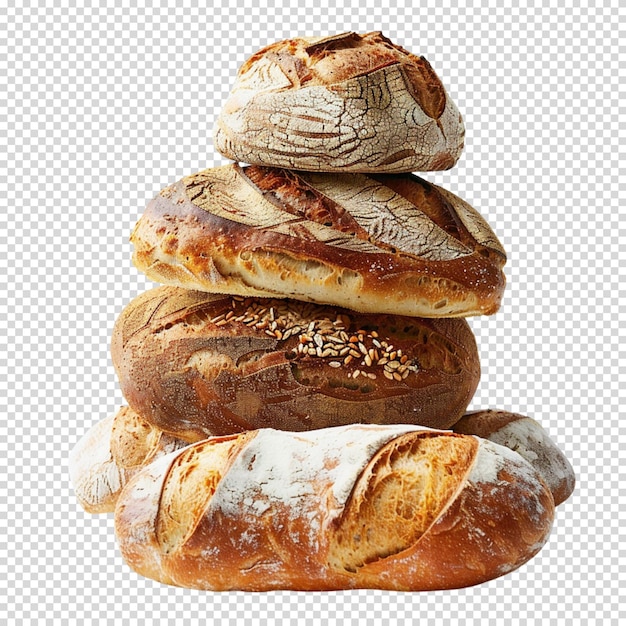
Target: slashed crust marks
pixel 353 212
pixel 350 102
pixel 268 232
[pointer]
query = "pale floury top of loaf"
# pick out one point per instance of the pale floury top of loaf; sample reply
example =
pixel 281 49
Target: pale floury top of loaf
pixel 349 103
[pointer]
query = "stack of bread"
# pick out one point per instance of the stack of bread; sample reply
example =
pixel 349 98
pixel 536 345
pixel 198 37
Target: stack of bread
pixel 297 388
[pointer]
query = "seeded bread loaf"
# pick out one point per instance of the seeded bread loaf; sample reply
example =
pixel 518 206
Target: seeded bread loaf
pixel 109 453
pixel 390 507
pixel 375 244
pixel 529 439
pixel 346 103
pixel 195 364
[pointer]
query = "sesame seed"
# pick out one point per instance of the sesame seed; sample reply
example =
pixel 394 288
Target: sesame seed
pixel 319 341
pixel 377 343
pixel 397 376
pixel 362 348
pixel 348 359
pixel 334 339
pixel 368 360
pixel 355 354
pixel 356 373
pixel 334 364
pixel 387 375
pixel 371 375
pixel 405 373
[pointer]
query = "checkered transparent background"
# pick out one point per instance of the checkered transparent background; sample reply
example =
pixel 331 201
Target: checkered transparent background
pixel 104 103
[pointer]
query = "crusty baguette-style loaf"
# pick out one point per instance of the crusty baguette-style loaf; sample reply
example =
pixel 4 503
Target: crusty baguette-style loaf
pixel 529 439
pixel 109 453
pixel 348 103
pixel 195 364
pixel 375 244
pixel 387 507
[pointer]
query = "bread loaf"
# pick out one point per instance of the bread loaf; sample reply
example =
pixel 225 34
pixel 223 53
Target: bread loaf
pixel 390 507
pixel 375 244
pixel 195 364
pixel 347 103
pixel 528 438
pixel 109 453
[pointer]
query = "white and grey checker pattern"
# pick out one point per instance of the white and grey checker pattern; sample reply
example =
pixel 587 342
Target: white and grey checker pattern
pixel 103 103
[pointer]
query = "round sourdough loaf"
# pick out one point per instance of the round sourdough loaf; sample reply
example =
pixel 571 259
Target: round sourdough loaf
pixel 376 244
pixel 195 364
pixel 348 103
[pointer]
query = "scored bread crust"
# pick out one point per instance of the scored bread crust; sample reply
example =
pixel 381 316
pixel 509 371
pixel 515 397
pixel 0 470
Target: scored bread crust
pixel 271 510
pixel 529 439
pixel 195 364
pixel 348 103
pixel 110 453
pixel 380 244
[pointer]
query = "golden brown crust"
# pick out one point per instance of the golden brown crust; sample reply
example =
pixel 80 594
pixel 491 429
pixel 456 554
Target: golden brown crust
pixel 347 102
pixel 393 244
pixel 110 453
pixel 272 517
pixel 529 439
pixel 195 364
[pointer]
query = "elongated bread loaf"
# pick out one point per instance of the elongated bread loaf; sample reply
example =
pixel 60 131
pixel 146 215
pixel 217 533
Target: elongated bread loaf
pixel 347 103
pixel 195 364
pixel 375 244
pixel 106 457
pixel 109 453
pixel 528 438
pixel 387 507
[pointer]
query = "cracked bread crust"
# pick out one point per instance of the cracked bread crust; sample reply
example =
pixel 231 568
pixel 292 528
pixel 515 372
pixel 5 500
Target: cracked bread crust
pixel 378 244
pixel 195 364
pixel 348 102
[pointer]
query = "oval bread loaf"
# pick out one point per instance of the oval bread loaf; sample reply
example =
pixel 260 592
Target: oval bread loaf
pixel 195 364
pixel 387 507
pixel 112 451
pixel 347 103
pixel 375 244
pixel 529 439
